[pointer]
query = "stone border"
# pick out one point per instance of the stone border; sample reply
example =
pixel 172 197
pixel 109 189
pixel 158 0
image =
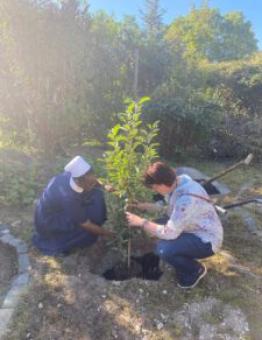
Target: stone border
pixel 20 281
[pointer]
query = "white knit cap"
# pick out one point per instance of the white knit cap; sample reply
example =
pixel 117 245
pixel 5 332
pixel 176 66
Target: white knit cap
pixel 77 167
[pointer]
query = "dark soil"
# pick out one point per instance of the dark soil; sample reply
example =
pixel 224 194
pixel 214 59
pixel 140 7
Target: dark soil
pixel 145 267
pixel 210 188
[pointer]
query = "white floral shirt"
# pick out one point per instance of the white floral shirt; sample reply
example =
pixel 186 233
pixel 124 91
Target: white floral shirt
pixel 191 214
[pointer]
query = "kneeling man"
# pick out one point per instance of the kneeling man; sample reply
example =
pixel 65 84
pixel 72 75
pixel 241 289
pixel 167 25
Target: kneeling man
pixel 70 211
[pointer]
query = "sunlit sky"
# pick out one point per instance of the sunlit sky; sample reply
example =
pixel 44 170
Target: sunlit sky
pixel 252 9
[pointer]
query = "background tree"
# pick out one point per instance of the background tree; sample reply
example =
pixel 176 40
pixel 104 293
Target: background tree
pixel 205 33
pixel 64 73
pixel 152 17
pixel 154 54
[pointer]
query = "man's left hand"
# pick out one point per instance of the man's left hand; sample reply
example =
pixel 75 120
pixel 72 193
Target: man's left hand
pixel 109 188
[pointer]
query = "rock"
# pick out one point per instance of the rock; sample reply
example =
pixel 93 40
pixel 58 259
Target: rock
pixel 207 332
pixel 159 325
pixel 4 227
pixel 12 298
pixel 21 248
pixel 163 316
pixel 14 242
pixel 5 231
pixel 116 283
pixel 5 317
pixel 40 305
pixel 21 280
pixel 248 220
pixel 212 320
pixel 24 263
pixel 16 224
pixel 197 175
pixel 114 334
pixel 255 208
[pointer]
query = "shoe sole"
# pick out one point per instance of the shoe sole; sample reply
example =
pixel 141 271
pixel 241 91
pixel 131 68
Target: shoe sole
pixel 195 283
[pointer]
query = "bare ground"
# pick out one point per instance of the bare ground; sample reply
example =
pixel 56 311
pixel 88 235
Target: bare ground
pixel 68 299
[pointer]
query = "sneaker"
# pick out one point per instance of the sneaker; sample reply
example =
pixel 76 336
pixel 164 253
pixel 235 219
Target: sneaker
pixel 201 273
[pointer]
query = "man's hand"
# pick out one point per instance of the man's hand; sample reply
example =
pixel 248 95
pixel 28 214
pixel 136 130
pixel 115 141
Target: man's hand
pixel 97 230
pixel 109 188
pixel 108 234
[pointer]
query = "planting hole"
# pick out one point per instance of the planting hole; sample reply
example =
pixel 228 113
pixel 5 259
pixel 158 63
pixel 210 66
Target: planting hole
pixel 145 267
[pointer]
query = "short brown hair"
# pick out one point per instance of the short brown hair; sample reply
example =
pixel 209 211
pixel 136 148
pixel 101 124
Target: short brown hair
pixel 159 173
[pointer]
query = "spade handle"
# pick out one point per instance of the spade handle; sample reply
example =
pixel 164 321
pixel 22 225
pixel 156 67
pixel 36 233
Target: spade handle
pixel 245 161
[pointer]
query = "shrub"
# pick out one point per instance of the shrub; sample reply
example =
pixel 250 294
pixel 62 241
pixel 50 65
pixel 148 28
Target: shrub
pixel 19 184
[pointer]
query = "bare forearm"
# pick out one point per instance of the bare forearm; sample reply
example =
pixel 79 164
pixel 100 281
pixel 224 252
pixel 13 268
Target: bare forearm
pixel 94 228
pixel 154 207
pixel 149 227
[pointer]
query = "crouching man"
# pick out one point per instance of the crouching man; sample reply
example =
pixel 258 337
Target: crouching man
pixel 70 211
pixel 192 229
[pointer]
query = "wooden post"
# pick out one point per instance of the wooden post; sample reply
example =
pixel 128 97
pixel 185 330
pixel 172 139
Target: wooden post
pixel 136 74
pixel 129 249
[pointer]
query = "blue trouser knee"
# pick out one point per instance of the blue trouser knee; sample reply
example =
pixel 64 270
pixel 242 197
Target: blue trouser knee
pixel 182 253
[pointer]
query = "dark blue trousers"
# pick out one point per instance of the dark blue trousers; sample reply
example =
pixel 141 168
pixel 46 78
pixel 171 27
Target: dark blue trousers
pixel 182 253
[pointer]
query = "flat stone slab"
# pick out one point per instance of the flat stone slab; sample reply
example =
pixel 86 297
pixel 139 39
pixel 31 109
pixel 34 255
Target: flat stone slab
pixel 4 231
pixel 3 227
pixel 9 239
pixel 24 263
pixel 5 317
pixel 18 288
pixel 21 280
pixel 197 175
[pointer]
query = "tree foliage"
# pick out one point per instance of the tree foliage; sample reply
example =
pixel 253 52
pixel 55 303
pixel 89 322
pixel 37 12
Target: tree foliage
pixel 236 88
pixel 65 72
pixel 132 148
pixel 152 17
pixel 206 33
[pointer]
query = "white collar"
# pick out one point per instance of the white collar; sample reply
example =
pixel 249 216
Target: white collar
pixel 75 187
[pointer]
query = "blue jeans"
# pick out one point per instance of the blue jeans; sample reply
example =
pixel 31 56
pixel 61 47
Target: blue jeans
pixel 182 253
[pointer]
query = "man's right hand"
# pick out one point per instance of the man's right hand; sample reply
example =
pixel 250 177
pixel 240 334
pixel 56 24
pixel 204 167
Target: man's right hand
pixel 108 234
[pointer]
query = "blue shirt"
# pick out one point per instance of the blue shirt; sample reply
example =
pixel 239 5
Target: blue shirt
pixel 60 211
